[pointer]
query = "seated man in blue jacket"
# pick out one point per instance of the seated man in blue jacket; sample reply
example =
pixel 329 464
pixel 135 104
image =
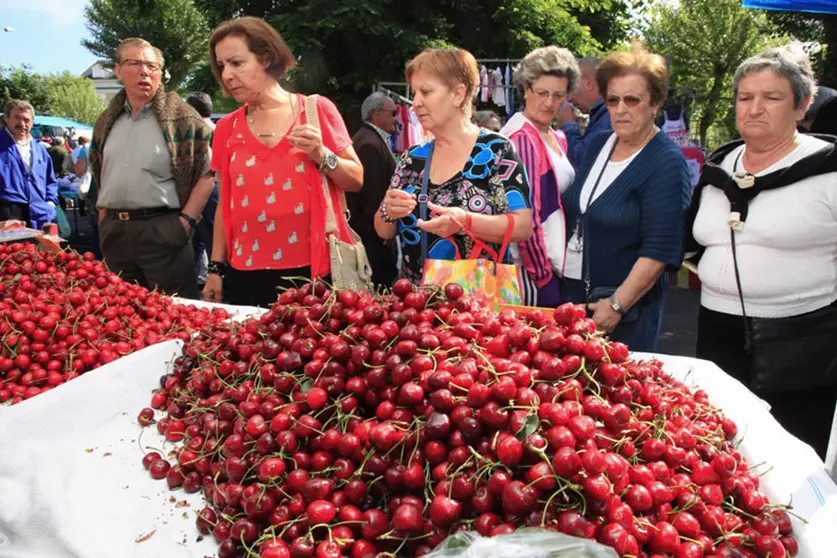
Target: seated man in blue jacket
pixel 28 188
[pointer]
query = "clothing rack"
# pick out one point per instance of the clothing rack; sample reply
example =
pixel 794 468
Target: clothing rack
pixel 384 87
pixel 498 60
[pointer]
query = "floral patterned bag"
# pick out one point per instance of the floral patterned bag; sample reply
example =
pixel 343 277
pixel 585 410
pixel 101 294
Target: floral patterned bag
pixel 493 282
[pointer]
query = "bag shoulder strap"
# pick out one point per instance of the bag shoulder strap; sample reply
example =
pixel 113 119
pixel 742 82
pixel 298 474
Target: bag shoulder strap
pixel 312 117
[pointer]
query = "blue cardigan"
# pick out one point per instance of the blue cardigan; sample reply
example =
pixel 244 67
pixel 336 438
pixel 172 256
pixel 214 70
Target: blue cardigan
pixel 642 214
pixel 20 185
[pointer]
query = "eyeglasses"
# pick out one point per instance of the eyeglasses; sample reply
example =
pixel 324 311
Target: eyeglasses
pixel 543 95
pixel 630 100
pixel 153 67
pixel 393 112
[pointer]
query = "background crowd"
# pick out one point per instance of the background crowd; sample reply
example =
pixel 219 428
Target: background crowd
pixel 592 210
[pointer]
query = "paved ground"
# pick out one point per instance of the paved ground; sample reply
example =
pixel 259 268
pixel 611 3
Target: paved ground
pixel 680 322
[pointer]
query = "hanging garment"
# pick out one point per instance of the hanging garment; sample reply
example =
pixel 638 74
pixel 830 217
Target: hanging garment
pixel 499 93
pixel 695 159
pixel 402 142
pixel 509 91
pixel 485 80
pixel 676 128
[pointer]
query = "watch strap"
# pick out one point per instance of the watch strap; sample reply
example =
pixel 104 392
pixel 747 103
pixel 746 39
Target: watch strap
pixel 191 220
pixel 616 305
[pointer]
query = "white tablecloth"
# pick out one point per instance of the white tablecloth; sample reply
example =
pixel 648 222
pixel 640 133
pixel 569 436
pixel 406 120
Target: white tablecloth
pixel 72 484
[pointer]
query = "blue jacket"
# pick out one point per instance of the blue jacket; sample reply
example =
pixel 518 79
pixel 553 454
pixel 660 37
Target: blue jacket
pixel 641 214
pixel 20 185
pixel 579 143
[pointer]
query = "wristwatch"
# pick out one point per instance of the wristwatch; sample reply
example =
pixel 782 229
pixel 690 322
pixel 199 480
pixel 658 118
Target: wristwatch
pixel 616 305
pixel 193 223
pixel 329 162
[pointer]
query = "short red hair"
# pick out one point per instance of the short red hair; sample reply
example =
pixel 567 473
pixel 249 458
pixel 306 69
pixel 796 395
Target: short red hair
pixel 453 66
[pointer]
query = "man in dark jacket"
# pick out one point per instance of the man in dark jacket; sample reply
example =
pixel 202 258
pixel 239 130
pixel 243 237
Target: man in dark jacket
pixel 373 145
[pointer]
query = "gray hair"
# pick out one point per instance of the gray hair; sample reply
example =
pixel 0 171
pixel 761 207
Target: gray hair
pixel 372 103
pixel 791 64
pixel 547 61
pixel 589 64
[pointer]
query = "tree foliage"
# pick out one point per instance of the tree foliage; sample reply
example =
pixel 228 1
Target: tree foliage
pixel 75 98
pixel 21 83
pixel 705 41
pixel 58 95
pixel 176 27
pixel 346 46
pixel 819 31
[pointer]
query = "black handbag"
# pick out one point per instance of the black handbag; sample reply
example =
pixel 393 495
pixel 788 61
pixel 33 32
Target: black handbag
pixel 796 353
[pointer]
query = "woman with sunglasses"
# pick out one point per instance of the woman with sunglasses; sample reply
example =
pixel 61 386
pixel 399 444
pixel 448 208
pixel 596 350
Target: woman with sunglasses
pixel 544 79
pixel 627 207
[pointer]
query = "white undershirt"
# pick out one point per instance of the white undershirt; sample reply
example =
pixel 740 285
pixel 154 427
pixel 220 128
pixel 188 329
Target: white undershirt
pixel 25 149
pixel 787 250
pixel 575 247
pixel 564 171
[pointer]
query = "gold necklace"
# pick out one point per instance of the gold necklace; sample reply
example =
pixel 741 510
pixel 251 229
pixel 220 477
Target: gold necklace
pixel 251 118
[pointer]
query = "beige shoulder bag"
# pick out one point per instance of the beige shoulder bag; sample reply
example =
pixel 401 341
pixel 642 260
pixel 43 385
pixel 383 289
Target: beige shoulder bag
pixel 350 267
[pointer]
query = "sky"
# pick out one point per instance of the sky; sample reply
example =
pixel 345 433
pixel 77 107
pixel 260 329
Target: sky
pixel 47 35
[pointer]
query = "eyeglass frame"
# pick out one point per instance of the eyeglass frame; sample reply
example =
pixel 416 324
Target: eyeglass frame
pixel 630 101
pixel 152 66
pixel 542 95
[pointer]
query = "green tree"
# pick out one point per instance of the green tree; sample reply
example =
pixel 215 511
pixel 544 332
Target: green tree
pixel 816 29
pixel 176 27
pixel 346 46
pixel 74 97
pixel 21 83
pixel 705 41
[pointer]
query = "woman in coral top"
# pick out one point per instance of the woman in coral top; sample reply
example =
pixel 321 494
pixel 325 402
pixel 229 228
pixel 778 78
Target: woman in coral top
pixel 268 160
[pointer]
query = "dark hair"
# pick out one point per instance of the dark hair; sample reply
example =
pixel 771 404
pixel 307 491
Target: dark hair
pixel 201 102
pixel 263 40
pixel 638 60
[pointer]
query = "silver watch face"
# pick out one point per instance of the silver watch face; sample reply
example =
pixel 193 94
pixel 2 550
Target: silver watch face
pixel 331 161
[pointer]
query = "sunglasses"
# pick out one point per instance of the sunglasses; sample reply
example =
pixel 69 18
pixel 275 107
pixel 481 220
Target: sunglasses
pixel 630 100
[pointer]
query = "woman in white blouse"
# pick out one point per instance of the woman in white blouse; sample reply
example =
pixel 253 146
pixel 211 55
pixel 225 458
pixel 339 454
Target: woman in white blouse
pixel 764 223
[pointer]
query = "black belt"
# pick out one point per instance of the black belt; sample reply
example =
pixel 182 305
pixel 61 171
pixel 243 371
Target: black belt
pixel 140 214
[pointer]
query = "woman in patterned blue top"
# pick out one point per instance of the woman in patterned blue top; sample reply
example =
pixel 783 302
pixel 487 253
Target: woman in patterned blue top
pixel 476 177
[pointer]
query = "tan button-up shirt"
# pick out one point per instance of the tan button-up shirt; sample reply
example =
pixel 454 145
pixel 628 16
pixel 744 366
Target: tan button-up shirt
pixel 136 168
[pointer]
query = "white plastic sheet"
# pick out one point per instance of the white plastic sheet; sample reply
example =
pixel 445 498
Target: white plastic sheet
pixel 72 484
pixel 794 472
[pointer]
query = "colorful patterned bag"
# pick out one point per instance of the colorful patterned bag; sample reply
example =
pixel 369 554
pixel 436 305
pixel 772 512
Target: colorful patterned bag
pixel 492 282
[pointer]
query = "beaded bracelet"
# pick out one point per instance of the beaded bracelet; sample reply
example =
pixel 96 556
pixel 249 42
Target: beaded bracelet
pixel 386 217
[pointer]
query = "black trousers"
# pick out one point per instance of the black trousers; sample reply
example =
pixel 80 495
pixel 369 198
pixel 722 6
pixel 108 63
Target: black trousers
pixel 806 414
pixel 14 211
pixel 261 287
pixel 382 259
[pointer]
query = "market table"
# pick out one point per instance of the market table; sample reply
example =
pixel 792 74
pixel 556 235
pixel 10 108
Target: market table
pixel 72 484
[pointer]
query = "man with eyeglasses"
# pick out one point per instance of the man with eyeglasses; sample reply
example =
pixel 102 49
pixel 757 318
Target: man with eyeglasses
pixel 150 159
pixel 588 98
pixel 373 145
